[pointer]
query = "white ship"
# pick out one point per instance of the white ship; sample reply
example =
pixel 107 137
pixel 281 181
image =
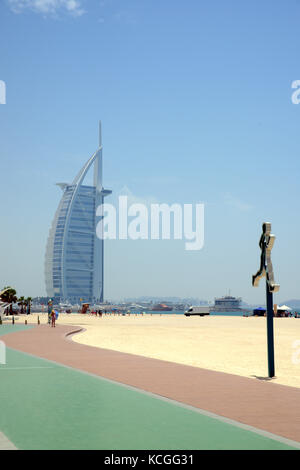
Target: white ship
pixel 227 304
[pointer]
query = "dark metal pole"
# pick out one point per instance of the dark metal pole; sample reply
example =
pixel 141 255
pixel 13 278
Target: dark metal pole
pixel 270 332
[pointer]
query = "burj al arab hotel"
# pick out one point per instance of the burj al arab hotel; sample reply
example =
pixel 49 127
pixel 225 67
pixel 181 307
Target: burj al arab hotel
pixel 74 253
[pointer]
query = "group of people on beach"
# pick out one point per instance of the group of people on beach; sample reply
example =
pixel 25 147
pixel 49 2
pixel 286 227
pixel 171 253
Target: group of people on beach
pixel 97 312
pixel 288 315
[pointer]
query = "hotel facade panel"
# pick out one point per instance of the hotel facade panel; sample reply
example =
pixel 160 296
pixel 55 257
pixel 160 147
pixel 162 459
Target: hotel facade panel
pixel 74 253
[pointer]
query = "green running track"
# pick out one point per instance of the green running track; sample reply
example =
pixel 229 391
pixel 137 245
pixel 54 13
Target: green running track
pixel 48 406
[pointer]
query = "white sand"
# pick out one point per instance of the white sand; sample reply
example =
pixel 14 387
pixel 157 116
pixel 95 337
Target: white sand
pixel 235 345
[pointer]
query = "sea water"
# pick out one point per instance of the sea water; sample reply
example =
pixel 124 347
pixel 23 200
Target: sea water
pixel 243 313
pixel 181 312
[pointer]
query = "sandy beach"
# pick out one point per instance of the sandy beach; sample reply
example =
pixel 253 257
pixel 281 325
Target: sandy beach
pixel 235 345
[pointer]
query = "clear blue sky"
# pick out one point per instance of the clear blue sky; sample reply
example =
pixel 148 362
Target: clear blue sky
pixel 195 102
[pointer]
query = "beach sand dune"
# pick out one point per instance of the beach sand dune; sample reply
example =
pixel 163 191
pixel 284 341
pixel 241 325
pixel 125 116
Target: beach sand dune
pixel 235 345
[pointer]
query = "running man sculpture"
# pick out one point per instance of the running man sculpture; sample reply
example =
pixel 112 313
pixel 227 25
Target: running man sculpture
pixel 266 244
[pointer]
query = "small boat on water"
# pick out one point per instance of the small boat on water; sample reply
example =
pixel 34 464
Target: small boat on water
pixel 161 308
pixel 65 307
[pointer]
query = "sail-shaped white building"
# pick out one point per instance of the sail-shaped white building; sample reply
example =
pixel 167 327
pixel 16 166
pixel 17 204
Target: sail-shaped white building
pixel 74 254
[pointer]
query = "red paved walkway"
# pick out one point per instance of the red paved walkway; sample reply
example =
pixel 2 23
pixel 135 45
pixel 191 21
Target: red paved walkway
pixel 264 405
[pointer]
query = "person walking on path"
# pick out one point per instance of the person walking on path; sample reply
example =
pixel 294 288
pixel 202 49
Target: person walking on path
pixel 50 308
pixel 53 318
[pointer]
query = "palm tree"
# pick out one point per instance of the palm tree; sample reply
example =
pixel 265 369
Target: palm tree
pixel 9 295
pixel 21 302
pixel 28 304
